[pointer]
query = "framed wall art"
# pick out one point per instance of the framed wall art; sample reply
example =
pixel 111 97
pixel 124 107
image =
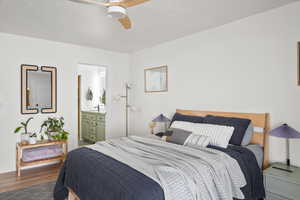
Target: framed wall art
pixel 156 79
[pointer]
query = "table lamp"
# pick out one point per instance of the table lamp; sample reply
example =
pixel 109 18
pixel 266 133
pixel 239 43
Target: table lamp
pixel 287 132
pixel 162 119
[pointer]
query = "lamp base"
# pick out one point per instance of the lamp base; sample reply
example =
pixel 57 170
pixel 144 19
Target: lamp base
pixel 286 168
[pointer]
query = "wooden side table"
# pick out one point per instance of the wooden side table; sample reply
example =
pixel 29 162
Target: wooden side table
pixel 20 147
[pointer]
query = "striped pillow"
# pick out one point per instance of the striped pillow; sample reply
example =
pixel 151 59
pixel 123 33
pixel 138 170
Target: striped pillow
pixel 219 135
pixel 197 140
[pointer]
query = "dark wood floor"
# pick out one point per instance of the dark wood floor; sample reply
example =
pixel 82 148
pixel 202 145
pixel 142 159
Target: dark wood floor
pixel 9 181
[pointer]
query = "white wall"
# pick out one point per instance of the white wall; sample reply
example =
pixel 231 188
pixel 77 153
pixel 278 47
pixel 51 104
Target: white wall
pixel 17 50
pixel 246 66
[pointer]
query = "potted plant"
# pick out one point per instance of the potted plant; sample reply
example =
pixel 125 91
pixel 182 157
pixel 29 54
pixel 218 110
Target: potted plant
pixel 32 138
pixel 55 128
pixel 25 134
pixel 103 98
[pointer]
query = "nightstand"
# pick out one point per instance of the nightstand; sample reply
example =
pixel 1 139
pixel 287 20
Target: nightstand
pixel 282 185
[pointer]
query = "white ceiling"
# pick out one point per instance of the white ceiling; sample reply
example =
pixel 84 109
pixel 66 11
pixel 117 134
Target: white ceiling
pixel 154 22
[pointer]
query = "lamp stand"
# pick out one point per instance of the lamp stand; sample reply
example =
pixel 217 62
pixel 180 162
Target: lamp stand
pixel 127 107
pixel 288 162
pixel 166 126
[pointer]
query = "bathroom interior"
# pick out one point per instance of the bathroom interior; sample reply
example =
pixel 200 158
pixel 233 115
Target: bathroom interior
pixel 91 103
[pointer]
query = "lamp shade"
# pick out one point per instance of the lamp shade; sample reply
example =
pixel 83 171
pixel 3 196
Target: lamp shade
pixel 285 131
pixel 161 118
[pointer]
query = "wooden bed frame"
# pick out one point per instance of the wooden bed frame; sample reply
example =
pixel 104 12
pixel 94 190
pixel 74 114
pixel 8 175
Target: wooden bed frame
pixel 259 120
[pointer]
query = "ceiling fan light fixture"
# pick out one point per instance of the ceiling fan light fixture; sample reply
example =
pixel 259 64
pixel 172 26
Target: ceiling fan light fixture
pixel 116 12
pixel 116 9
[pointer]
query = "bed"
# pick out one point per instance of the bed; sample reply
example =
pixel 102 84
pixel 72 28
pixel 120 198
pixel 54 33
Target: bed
pixel 108 171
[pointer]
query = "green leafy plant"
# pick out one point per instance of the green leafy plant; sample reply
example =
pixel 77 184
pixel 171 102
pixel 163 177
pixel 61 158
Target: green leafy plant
pixel 55 128
pixel 24 125
pixel 33 135
pixel 103 98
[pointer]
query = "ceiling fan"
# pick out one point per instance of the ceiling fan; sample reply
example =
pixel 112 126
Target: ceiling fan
pixel 116 8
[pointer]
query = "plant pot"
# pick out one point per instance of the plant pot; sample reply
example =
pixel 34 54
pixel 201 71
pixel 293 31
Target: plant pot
pixel 32 140
pixel 51 135
pixel 24 142
pixel 24 138
pixel 43 137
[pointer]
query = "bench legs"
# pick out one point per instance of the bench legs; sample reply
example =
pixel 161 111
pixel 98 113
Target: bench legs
pixel 18 161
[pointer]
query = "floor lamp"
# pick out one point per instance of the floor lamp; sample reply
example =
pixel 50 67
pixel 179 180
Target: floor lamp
pixel 128 87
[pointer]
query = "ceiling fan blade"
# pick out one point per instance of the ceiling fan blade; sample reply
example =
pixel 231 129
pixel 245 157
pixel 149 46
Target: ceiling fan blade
pixel 125 21
pixel 94 2
pixel 130 3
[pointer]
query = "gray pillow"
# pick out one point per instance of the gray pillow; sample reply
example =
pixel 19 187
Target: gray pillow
pixel 248 135
pixel 178 136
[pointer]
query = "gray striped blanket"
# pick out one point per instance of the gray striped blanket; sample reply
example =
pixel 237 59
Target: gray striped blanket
pixel 184 173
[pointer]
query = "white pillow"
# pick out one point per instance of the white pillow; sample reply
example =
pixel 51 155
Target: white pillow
pixel 197 140
pixel 219 135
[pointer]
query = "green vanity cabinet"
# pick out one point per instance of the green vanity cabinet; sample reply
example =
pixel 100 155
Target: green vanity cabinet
pixel 92 126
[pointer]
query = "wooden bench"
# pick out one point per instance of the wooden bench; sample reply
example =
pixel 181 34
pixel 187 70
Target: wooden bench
pixel 19 152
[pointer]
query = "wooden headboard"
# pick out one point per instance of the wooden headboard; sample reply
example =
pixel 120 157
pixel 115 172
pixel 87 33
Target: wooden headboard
pixel 259 120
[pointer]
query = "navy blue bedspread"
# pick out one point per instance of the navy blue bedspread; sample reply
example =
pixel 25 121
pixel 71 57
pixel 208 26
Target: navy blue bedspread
pixel 95 176
pixel 255 185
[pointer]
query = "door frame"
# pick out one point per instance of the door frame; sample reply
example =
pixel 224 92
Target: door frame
pixel 107 90
pixel 78 106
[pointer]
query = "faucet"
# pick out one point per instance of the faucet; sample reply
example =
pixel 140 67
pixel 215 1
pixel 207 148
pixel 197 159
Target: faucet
pixel 98 107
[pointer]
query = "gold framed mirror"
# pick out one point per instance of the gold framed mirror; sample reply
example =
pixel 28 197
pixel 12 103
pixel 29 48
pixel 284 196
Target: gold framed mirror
pixel 38 89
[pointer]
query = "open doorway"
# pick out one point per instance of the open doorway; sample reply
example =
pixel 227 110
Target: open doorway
pixel 91 84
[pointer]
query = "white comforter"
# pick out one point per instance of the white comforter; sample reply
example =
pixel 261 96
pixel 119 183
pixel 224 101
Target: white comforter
pixel 184 173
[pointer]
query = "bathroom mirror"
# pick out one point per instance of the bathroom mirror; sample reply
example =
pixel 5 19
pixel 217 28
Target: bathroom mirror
pixel 38 89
